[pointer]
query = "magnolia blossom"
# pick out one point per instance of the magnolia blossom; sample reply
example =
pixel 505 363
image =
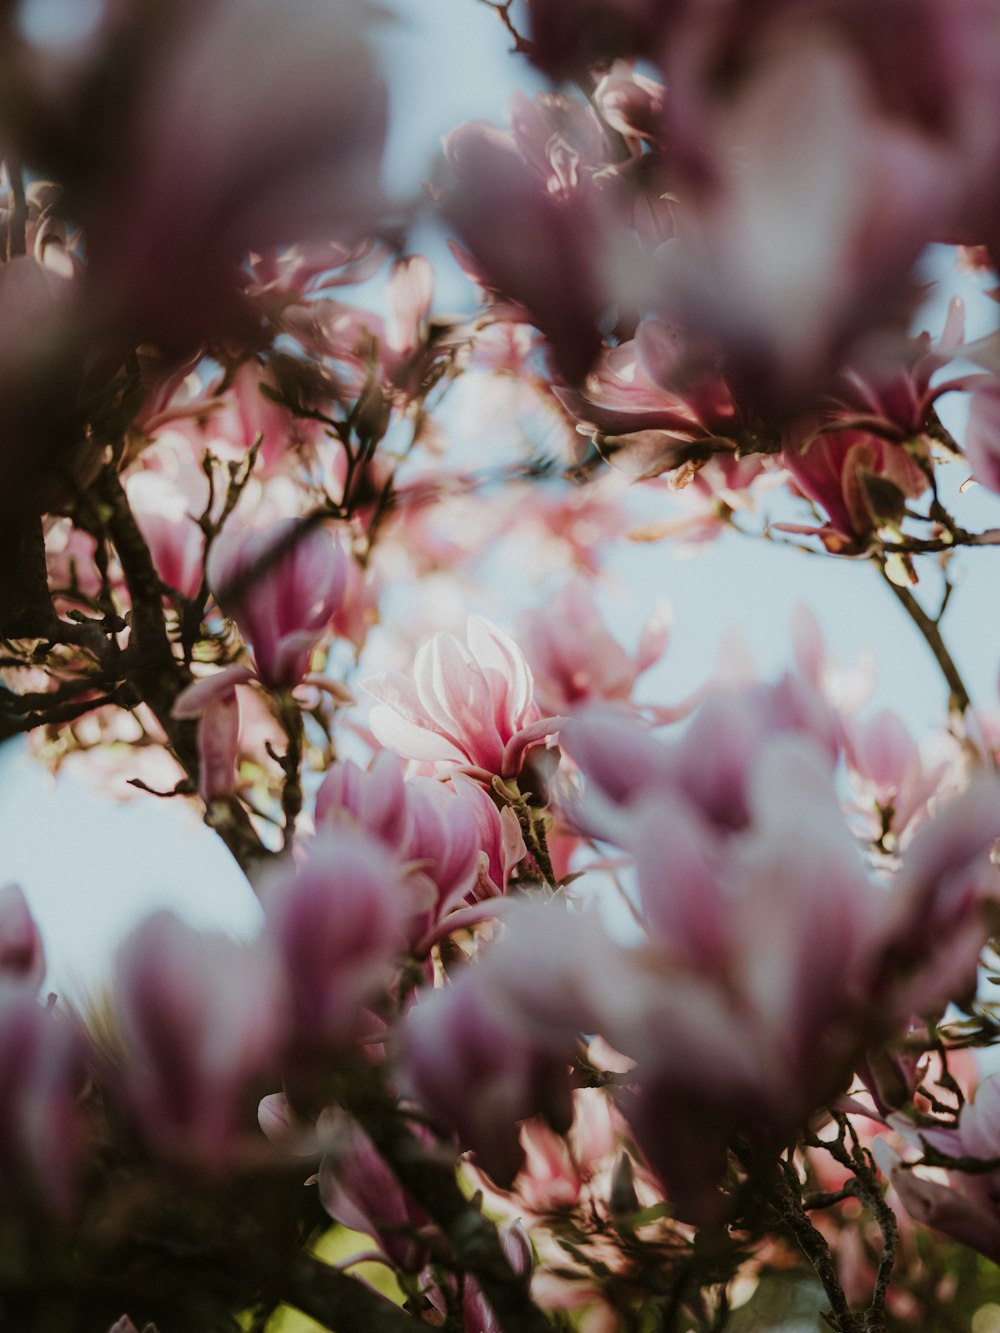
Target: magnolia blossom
pixel 451 834
pixel 22 953
pixel 641 420
pixel 42 1074
pixel 770 978
pixel 891 772
pixel 339 922
pixel 861 480
pixel 175 540
pixel 470 704
pixel 523 204
pixel 281 587
pixel 470 1060
pixel 966 1204
pixel 359 1191
pixel 575 660
pixel 982 439
pixel 804 195
pixel 202 1017
pixel 218 164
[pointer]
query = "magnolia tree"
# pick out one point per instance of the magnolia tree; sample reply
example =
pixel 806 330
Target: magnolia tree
pixel 571 1008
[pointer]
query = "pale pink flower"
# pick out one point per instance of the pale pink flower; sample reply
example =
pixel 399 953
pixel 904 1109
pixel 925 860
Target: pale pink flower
pixel 891 389
pixel 982 436
pixel 450 833
pixel 772 977
pixel 203 1016
pixel 860 479
pixel 966 1204
pixel 573 657
pixel 501 844
pixel 631 103
pixel 893 775
pixel 176 542
pixel 374 799
pixel 220 163
pixel 807 205
pixel 558 1168
pixel 245 414
pixel 22 953
pixel 641 423
pixel 472 1062
pixel 470 704
pixel 442 842
pixel 523 205
pixel 42 1076
pixel 340 923
pixel 282 603
pixel 359 1191
pixel 69 558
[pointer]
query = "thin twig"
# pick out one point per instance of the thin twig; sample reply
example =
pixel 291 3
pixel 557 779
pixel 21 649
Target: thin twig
pixel 960 701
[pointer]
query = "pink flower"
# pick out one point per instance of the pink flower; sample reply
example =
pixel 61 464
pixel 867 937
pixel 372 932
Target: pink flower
pixel 470 704
pixel 471 1062
pixel 967 1207
pixel 203 1016
pixel 373 799
pixel 451 834
pixel 22 953
pixel 282 603
pixel 573 657
pixel 893 775
pixel 641 423
pixel 891 388
pixel 442 842
pixel 773 961
pixel 501 844
pixel 861 480
pixel 808 204
pixel 176 542
pixel 359 1191
pixel 534 226
pixel 340 924
pixel 982 437
pixel 220 164
pixel 42 1075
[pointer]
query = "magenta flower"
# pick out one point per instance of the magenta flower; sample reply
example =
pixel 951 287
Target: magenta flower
pixel 339 922
pixel 372 799
pixel 359 1191
pixel 965 1206
pixel 470 704
pixel 773 960
pixel 861 480
pixel 220 163
pixel 471 1061
pixel 22 954
pixel 449 833
pixel 524 206
pixel 281 589
pixel 574 658
pixel 42 1075
pixel 203 1016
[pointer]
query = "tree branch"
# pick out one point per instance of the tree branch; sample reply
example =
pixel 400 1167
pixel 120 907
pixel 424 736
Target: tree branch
pixel 960 701
pixel 340 1302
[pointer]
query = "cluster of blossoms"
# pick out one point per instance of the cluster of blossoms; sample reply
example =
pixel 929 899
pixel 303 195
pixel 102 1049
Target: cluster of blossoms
pixel 585 1006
